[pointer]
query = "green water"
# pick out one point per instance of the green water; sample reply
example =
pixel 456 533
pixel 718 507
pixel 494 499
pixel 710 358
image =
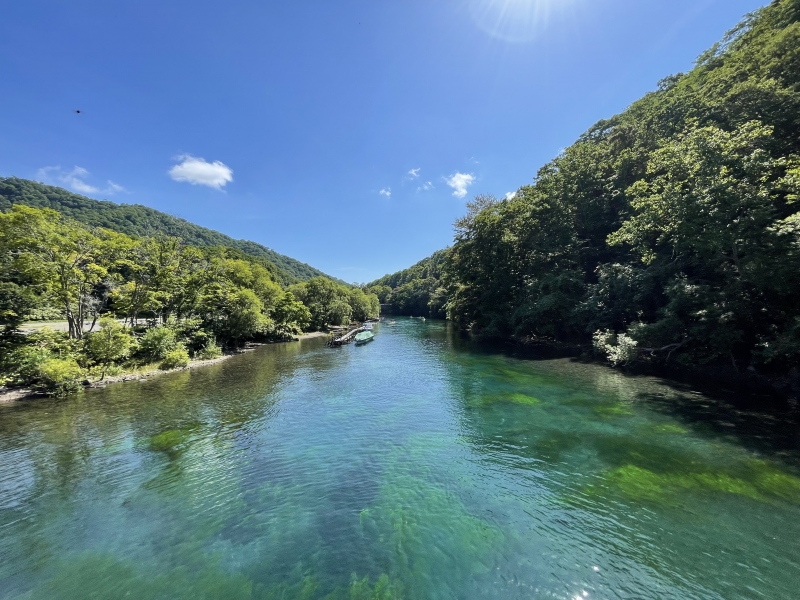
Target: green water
pixel 412 467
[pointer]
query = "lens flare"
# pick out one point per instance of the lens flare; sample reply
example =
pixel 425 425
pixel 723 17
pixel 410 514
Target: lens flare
pixel 516 20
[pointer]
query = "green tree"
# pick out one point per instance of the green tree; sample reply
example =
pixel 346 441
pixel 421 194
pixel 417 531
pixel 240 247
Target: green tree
pixel 709 214
pixel 70 262
pixel 233 314
pixel 363 305
pixel 382 291
pixel 110 344
pixel 327 301
pixel 157 342
pixel 15 304
pixel 291 313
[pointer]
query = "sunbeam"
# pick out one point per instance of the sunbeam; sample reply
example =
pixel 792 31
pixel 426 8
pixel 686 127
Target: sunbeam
pixel 516 20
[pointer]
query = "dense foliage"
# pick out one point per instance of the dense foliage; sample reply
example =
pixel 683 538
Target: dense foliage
pixel 668 232
pixel 139 221
pixel 335 304
pixel 416 290
pixel 172 301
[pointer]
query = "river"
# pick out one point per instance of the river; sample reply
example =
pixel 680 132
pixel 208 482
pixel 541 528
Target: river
pixel 416 466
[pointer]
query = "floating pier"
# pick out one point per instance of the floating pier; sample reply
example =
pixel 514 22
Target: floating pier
pixel 346 338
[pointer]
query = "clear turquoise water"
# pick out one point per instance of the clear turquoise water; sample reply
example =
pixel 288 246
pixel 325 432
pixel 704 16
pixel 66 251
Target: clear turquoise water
pixel 413 467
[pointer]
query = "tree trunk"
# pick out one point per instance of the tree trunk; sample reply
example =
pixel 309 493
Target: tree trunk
pixel 71 321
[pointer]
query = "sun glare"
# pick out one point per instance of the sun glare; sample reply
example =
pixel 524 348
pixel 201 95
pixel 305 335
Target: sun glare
pixel 516 20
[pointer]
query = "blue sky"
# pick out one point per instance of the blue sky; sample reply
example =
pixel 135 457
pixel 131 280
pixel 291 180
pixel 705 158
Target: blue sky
pixel 346 134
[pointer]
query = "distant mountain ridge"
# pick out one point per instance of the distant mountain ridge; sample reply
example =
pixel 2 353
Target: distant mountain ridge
pixel 138 220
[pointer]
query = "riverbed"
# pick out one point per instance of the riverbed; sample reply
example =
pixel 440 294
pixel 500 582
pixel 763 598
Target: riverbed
pixel 417 466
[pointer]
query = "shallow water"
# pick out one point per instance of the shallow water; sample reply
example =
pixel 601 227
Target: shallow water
pixel 413 467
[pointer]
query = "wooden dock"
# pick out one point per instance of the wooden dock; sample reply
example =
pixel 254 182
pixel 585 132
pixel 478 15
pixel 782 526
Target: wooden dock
pixel 346 338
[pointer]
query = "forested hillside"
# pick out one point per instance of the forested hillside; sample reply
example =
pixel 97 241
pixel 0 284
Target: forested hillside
pixel 416 290
pixel 669 232
pixel 138 220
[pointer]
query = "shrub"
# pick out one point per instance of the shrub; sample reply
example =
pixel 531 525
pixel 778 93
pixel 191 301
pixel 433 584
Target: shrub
pixel 112 343
pixel 620 348
pixel 23 357
pixel 22 364
pixel 211 350
pixel 114 370
pixel 57 343
pixel 157 343
pixel 175 358
pixel 59 377
pixel 196 341
pixel 46 313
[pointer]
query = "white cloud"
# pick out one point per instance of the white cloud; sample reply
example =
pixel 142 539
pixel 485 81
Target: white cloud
pixel 74 179
pixel 386 192
pixel 114 187
pixel 198 171
pixel 510 195
pixel 414 173
pixel 82 187
pixel 425 187
pixel 460 182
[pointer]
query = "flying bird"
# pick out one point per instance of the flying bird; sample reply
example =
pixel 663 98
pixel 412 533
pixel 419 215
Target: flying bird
pixel 77 111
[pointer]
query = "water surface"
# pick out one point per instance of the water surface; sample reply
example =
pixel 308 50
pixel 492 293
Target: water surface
pixel 413 467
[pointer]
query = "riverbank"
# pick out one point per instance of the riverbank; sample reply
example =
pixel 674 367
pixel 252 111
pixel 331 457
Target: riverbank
pixel 12 394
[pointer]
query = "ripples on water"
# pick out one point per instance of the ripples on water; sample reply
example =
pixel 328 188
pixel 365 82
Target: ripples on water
pixel 413 467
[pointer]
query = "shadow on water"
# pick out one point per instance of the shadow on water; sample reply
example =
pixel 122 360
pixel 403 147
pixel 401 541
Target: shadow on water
pixel 770 432
pixel 759 422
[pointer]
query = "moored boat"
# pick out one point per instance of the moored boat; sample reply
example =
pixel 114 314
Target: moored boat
pixel 363 337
